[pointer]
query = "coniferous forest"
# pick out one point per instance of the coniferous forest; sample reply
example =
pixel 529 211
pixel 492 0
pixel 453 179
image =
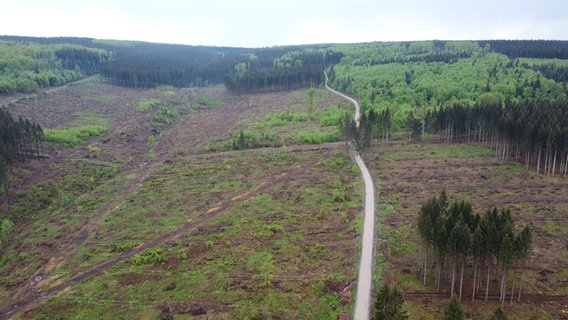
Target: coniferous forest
pixel 20 141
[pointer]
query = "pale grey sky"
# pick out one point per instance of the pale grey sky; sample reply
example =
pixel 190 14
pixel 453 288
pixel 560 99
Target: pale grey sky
pixel 257 23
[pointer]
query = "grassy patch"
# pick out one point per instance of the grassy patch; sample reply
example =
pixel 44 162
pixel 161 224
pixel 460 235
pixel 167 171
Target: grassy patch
pixel 87 125
pixel 146 105
pixel 318 136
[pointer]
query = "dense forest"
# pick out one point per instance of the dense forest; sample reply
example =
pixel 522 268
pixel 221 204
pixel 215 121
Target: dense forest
pixel 27 66
pixel 143 65
pixel 467 93
pixel 486 91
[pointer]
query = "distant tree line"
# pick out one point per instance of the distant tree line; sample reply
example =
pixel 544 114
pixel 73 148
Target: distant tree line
pixel 20 141
pixel 453 236
pixel 542 49
pixel 531 131
pixel 552 71
pixel 293 70
pixel 145 65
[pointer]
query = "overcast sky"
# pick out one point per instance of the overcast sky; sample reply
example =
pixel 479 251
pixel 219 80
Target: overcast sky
pixel 264 23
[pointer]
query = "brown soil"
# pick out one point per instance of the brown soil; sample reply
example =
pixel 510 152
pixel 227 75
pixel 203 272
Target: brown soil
pixel 536 200
pixel 128 140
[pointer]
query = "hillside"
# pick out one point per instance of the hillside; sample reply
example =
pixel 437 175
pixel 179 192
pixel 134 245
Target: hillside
pixel 190 182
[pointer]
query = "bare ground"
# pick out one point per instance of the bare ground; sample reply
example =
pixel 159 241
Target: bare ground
pixel 410 173
pixel 126 144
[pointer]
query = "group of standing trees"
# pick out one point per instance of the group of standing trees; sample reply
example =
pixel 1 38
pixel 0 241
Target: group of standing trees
pixel 454 237
pixel 19 141
pixel 292 70
pixel 533 131
pixel 371 125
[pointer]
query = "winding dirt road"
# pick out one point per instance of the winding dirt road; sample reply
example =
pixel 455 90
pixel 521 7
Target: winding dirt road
pixel 364 281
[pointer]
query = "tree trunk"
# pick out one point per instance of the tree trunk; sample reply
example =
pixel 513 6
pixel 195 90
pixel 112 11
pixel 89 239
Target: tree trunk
pixel 474 282
pixel 566 166
pixel 488 278
pixel 453 275
pixel 425 264
pixel 546 163
pixel 538 161
pixel 527 157
pixel 438 275
pixel 521 285
pixel 512 290
pixel 554 161
pixel 7 196
pixel 503 288
pixel 461 278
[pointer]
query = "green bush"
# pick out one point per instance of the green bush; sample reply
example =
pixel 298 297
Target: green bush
pixel 146 105
pixel 69 137
pixel 121 247
pixel 282 118
pixel 150 256
pixel 6 227
pixel 331 116
pixel 317 137
pixel 165 115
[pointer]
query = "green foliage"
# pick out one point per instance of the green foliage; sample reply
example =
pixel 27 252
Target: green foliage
pixel 388 304
pixel 36 199
pixel 146 105
pixel 282 118
pixel 428 75
pixel 453 310
pixel 151 141
pixel 150 256
pixel 165 115
pixel 94 149
pixel 262 265
pixel 6 227
pixel 249 140
pixel 26 66
pixel 456 233
pixel 318 136
pixel 121 247
pixel 330 116
pixel 310 102
pixel 167 91
pixel 269 230
pixel 207 101
pixel 499 314
pixel 85 126
pixel 69 137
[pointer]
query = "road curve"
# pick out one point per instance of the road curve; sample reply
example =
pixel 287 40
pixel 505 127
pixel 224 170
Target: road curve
pixel 364 282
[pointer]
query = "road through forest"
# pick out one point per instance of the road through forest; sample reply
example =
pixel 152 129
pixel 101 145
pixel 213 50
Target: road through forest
pixel 365 278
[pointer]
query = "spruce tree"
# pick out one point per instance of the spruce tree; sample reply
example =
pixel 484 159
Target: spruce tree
pixel 498 315
pixel 453 310
pixel 388 304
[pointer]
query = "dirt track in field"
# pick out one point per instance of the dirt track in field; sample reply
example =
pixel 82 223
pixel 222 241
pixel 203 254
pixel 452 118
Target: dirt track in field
pixel 128 140
pixel 410 173
pixel 33 300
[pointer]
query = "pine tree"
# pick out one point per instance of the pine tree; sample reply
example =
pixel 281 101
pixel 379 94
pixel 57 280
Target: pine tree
pixel 388 304
pixel 498 315
pixel 453 310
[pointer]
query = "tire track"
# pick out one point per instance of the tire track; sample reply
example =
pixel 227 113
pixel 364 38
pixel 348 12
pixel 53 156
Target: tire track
pixel 34 301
